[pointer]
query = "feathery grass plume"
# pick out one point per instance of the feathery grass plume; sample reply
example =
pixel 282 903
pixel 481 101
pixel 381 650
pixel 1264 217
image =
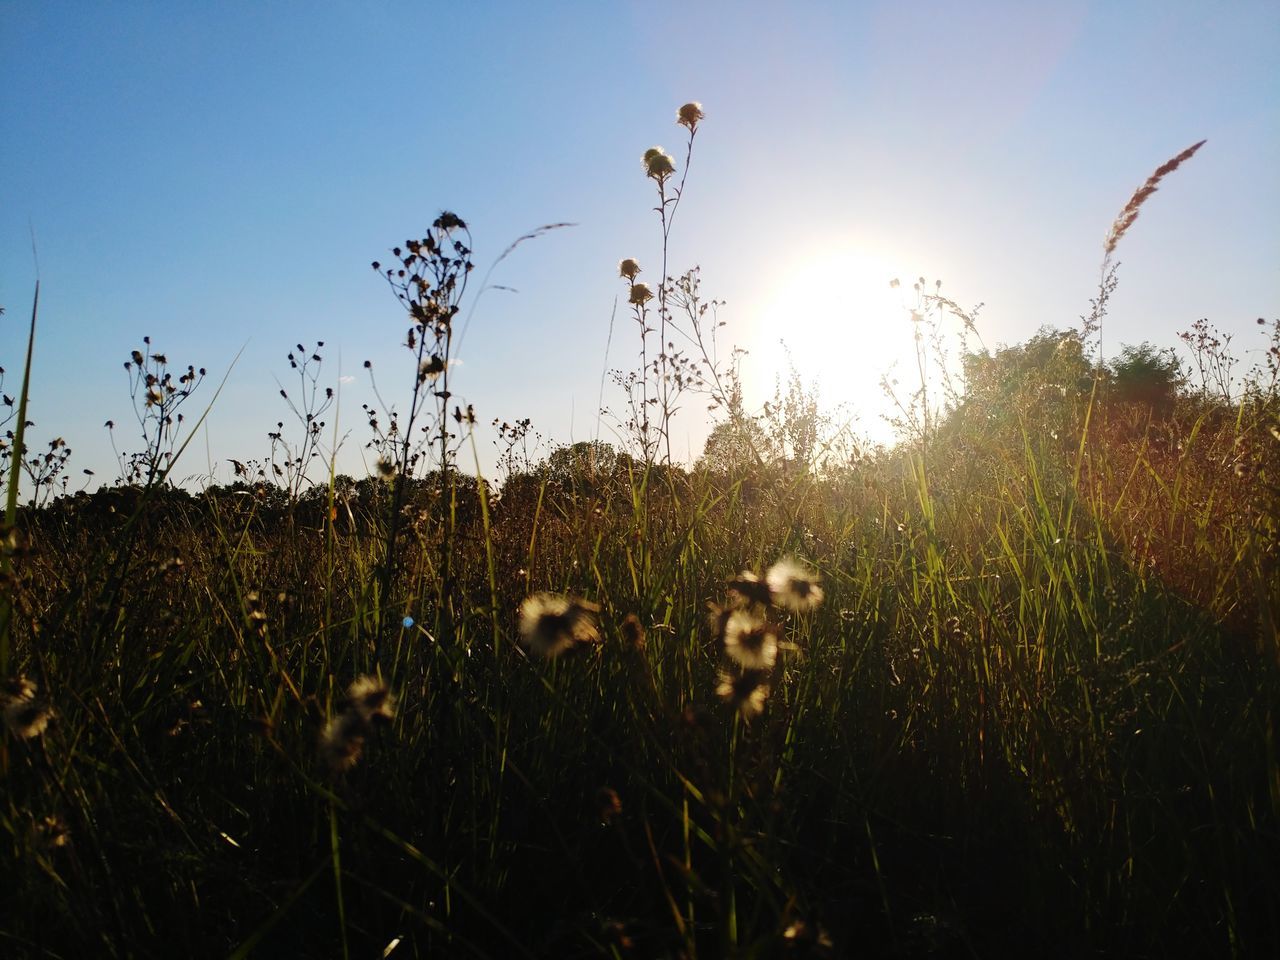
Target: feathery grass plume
pixel 342 741
pixel 794 586
pixel 1130 212
pixel 629 268
pixel 689 114
pixel 744 690
pixel 750 641
pixel 26 715
pixel 747 590
pixel 551 624
pixel 640 292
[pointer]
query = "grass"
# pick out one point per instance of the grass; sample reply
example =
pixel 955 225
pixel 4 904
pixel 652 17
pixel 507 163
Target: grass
pixel 1034 713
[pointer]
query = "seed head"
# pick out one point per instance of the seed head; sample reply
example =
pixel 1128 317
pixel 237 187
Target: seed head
pixel 747 590
pixel 750 641
pixel 370 698
pixel 551 624
pixel 342 741
pixel 794 586
pixel 629 268
pixel 26 715
pixel 689 114
pixel 640 293
pixel 745 690
pixel 658 164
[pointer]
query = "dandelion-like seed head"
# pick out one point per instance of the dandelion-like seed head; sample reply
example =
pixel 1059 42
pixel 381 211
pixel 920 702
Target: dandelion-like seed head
pixel 370 698
pixel 745 690
pixel 794 586
pixel 26 715
pixel 431 368
pixel 629 268
pixel 750 641
pixel 551 624
pixel 747 590
pixel 689 114
pixel 658 164
pixel 640 293
pixel 342 741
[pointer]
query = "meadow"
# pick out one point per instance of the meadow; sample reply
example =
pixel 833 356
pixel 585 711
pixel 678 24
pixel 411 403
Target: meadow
pixel 1007 688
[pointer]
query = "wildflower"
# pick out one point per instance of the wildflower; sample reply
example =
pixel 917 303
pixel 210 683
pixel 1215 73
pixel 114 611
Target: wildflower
pixel 747 590
pixel 690 114
pixel 658 164
pixel 342 741
pixel 640 292
pixel 25 714
pixel 551 624
pixel 794 586
pixel 628 268
pixel 371 700
pixel 751 642
pixel 744 690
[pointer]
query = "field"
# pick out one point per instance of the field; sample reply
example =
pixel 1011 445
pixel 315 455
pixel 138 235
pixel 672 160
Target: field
pixel 1009 688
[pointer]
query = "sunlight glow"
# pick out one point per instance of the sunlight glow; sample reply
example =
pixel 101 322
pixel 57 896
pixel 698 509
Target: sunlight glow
pixel 844 327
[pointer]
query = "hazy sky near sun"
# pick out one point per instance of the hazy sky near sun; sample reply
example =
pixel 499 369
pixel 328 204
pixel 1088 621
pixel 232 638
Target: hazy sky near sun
pixel 220 176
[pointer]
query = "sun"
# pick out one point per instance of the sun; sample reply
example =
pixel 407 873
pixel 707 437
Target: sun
pixel 836 316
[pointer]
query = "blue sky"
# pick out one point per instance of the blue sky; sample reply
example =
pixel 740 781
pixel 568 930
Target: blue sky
pixel 220 176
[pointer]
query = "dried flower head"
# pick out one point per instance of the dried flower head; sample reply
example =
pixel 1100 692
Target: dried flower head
pixel 690 114
pixel 342 741
pixel 371 700
pixel 746 691
pixel 26 715
pixel 747 590
pixel 551 624
pixel 629 268
pixel 431 368
pixel 794 586
pixel 640 293
pixel 750 641
pixel 633 632
pixel 658 164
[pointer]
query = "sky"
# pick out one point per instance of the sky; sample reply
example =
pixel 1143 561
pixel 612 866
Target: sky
pixel 220 176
